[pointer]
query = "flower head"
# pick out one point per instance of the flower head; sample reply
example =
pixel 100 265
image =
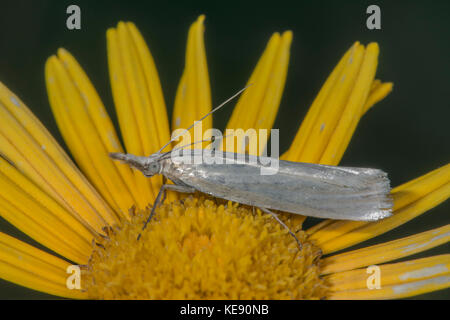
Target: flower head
pixel 90 213
pixel 199 249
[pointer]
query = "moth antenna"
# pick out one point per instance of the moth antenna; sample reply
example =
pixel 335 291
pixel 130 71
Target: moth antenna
pixel 206 115
pixel 213 138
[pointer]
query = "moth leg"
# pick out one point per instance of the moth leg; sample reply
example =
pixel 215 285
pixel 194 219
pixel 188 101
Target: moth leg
pixel 275 216
pixel 162 190
pixel 164 181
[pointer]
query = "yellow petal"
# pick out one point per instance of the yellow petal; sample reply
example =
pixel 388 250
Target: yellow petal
pixel 405 290
pixel 353 109
pixel 138 99
pixel 333 108
pixel 76 145
pixel 333 229
pixel 347 94
pixel 377 93
pixel 35 213
pixel 102 123
pixel 46 164
pixel 193 99
pixel 69 105
pixel 392 274
pixel 27 266
pixel 410 200
pixel 319 226
pixel 258 106
pixel 322 105
pixel 51 148
pixel 387 251
pixel 125 112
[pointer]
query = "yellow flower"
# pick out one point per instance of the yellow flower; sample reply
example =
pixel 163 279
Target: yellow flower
pixel 197 247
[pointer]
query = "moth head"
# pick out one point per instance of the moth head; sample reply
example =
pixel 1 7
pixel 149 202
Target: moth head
pixel 152 165
pixel 149 166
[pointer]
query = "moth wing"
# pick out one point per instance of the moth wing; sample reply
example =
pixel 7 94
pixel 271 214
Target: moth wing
pixel 301 188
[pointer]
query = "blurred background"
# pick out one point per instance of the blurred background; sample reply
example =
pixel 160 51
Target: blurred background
pixel 407 134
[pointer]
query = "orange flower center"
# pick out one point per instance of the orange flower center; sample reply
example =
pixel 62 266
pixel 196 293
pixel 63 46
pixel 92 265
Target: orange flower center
pixel 201 248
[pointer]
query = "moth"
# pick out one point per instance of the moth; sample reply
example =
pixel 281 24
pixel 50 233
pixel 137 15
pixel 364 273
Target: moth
pixel 314 190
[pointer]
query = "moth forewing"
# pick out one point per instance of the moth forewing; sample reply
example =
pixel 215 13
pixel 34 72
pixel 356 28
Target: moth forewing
pixel 301 188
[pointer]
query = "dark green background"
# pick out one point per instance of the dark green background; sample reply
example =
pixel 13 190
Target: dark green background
pixel 407 134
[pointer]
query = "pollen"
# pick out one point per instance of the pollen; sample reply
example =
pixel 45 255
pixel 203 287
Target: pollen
pixel 203 248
